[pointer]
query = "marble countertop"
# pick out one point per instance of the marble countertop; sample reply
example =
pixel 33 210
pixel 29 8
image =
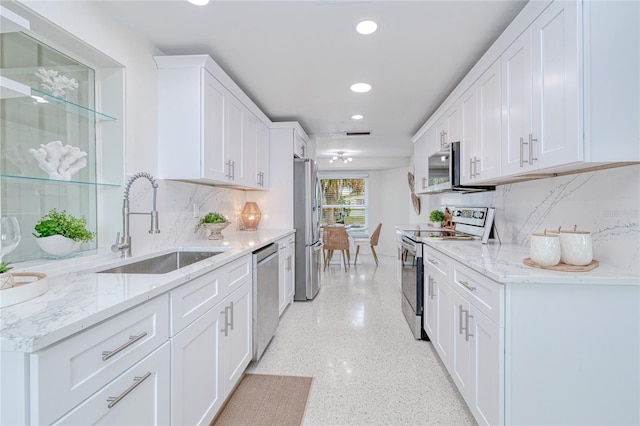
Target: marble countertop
pixel 503 263
pixel 78 297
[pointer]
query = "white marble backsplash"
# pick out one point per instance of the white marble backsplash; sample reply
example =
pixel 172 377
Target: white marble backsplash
pixel 175 206
pixel 604 202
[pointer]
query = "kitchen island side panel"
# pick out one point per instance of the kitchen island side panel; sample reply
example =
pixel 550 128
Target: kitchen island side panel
pixel 572 354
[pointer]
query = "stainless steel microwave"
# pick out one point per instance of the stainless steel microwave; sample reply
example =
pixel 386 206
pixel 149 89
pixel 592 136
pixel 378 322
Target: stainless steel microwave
pixel 443 173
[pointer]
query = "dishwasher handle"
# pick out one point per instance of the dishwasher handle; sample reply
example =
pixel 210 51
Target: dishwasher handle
pixel 265 253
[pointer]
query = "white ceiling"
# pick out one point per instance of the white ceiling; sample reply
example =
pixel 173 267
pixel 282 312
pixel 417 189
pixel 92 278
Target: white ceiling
pixel 297 59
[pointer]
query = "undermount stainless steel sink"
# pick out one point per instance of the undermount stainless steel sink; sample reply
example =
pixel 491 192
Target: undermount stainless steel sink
pixel 163 263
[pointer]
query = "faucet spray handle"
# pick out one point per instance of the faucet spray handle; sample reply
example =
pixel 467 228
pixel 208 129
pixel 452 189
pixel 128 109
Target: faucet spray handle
pixel 154 223
pixel 116 247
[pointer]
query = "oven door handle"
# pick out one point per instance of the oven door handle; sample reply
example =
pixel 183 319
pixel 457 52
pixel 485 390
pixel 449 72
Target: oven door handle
pixel 409 247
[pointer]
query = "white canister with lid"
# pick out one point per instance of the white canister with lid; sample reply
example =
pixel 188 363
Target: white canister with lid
pixel 544 249
pixel 577 247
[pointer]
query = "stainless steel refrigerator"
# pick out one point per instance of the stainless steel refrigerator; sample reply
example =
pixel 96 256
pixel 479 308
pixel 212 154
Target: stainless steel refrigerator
pixel 307 199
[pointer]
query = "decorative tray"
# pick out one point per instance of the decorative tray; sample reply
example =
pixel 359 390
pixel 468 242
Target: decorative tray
pixel 28 285
pixel 563 267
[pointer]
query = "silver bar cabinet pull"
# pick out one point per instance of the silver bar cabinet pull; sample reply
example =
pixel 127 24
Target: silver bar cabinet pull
pixel 522 152
pixel 113 400
pixel 231 309
pixel 531 141
pixel 475 167
pixel 467 334
pixel 460 310
pixel 466 284
pixel 471 167
pixel 225 330
pixel 132 339
pixel 435 262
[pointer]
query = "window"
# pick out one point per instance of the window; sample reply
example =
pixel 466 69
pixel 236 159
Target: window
pixel 344 200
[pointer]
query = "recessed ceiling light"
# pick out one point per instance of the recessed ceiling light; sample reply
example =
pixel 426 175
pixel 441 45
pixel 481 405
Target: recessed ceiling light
pixel 360 87
pixel 357 117
pixel 199 2
pixel 366 27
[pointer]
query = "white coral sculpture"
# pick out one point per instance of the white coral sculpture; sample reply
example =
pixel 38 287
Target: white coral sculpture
pixel 60 162
pixel 54 83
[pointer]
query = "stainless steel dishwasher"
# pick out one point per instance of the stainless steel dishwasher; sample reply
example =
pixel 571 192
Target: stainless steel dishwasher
pixel 265 297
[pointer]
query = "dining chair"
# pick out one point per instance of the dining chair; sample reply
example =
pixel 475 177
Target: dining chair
pixel 372 241
pixel 336 238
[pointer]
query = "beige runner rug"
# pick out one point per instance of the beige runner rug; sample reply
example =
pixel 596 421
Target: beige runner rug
pixel 266 400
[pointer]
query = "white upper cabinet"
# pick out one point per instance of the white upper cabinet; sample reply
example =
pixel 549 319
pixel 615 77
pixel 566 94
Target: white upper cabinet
pixel 213 137
pixel 262 171
pixel 553 95
pixel 516 105
pixel 234 142
pixel 487 164
pixel 540 94
pixel 555 77
pixel 469 141
pixel 208 129
pixel 300 148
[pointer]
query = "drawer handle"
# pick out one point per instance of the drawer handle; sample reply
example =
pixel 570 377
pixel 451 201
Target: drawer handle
pixel 113 400
pixel 132 339
pixel 432 261
pixel 466 284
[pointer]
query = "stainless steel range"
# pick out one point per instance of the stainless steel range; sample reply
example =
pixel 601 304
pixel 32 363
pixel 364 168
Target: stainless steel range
pixel 469 223
pixel 411 279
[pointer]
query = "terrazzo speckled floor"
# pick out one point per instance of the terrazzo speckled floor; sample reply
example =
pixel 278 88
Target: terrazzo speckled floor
pixel 367 367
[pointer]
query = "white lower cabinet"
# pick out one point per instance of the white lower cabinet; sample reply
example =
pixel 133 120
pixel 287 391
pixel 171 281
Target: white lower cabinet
pixel 64 375
pixel 286 272
pixel 457 302
pixel 437 321
pixel 139 396
pixel 477 361
pixel 196 385
pixel 209 356
pixel 460 363
pixel 236 335
pixel 487 367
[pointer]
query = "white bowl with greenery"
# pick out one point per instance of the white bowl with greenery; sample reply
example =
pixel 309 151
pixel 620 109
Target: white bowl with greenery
pixel 60 233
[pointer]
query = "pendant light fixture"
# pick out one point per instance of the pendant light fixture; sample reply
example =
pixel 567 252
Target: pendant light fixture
pixel 341 157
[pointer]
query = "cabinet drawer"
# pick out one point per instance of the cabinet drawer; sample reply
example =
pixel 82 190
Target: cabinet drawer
pixel 235 273
pixel 486 295
pixel 66 373
pixel 193 299
pixel 139 396
pixel 436 260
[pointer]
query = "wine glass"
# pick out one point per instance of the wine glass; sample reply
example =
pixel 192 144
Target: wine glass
pixel 9 235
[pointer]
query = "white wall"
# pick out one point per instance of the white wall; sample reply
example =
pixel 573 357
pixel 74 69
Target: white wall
pixel 394 206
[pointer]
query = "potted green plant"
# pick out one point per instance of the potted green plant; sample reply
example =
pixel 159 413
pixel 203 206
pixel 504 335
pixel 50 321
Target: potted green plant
pixel 60 233
pixel 214 222
pixel 436 217
pixel 6 279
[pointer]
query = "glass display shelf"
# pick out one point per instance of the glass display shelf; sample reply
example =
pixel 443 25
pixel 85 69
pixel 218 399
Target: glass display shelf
pixel 13 91
pixel 43 98
pixel 44 179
